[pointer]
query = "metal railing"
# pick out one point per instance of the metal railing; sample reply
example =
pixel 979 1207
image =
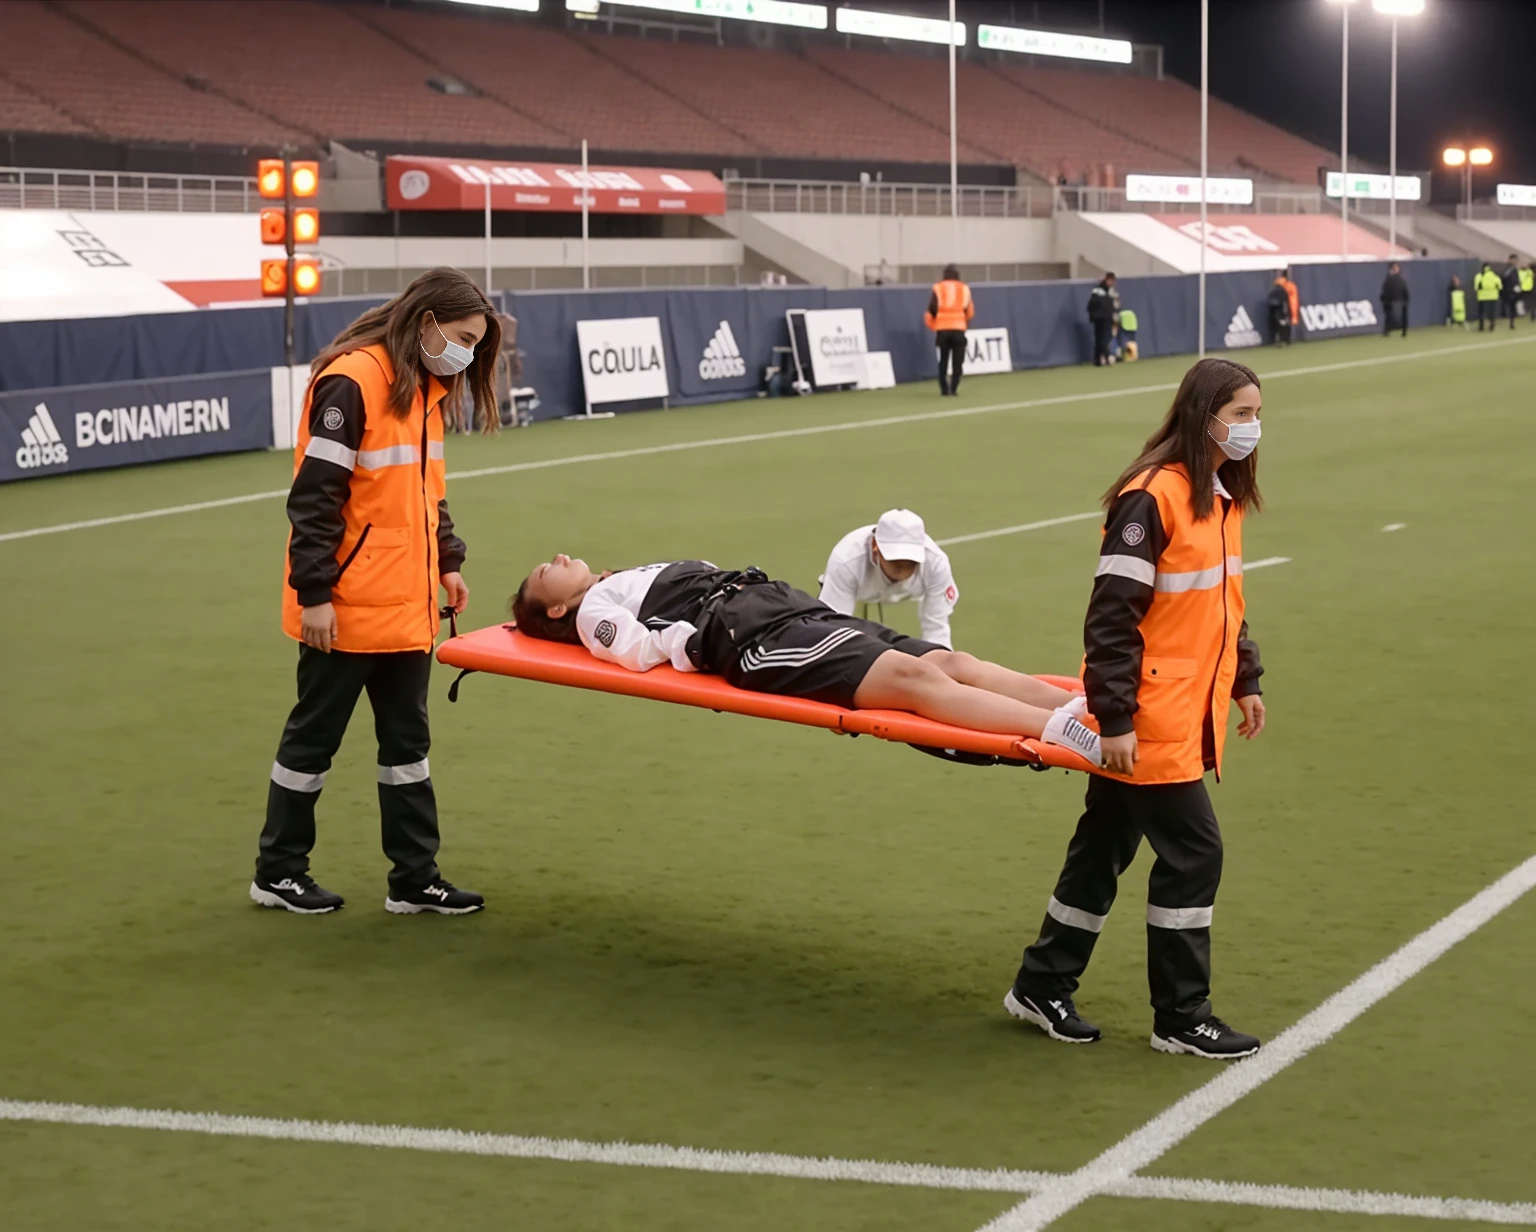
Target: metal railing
pixel 1113 201
pixel 1492 212
pixel 879 197
pixel 36 188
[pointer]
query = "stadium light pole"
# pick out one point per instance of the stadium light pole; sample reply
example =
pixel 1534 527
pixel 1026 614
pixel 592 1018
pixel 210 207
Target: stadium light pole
pixel 1394 9
pixel 586 261
pixel 1205 147
pixel 954 149
pixel 1344 137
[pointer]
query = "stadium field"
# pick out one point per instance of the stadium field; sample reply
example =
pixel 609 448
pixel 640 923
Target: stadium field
pixel 729 935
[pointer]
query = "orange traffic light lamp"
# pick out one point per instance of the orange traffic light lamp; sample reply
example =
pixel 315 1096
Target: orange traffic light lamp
pixel 305 179
pixel 306 276
pixel 274 278
pixel 306 226
pixel 271 178
pixel 274 225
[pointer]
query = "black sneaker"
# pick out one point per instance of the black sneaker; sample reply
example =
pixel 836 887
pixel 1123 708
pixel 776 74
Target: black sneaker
pixel 1211 1039
pixel 1056 1016
pixel 437 895
pixel 298 894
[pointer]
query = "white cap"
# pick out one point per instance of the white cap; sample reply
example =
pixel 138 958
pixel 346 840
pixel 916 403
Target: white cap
pixel 900 535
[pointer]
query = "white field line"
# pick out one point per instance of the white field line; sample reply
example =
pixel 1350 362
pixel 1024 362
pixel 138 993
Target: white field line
pixel 1159 1135
pixel 758 437
pixel 1019 529
pixel 1391 526
pixel 740 1163
pixel 1250 565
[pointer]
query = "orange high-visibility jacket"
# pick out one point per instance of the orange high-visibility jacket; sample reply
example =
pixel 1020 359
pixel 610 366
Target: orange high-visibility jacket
pixel 1167 646
pixel 384 584
pixel 950 306
pixel 1292 297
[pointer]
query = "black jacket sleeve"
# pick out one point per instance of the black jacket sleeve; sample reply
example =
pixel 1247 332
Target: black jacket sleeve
pixel 322 486
pixel 450 548
pixel 933 304
pixel 1134 538
pixel 1249 669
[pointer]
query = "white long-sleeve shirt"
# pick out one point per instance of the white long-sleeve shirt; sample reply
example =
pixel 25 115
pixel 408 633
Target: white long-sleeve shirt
pixel 608 623
pixel 853 576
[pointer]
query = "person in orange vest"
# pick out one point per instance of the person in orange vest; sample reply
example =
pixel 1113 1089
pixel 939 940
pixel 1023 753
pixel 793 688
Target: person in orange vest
pixel 370 543
pixel 950 310
pixel 1284 307
pixel 1167 651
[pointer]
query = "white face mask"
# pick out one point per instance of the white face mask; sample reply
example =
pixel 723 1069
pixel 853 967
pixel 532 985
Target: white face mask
pixel 451 360
pixel 1242 440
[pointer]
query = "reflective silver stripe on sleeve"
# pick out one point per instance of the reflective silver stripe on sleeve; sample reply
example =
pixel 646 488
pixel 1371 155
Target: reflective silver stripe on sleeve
pixel 1073 917
pixel 399 776
pixel 1133 567
pixel 1200 579
pixel 1179 917
pixel 434 449
pixel 1235 566
pixel 395 455
pixel 295 780
pixel 331 451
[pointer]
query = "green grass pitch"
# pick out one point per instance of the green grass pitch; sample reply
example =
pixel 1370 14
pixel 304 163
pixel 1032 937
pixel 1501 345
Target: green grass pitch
pixel 726 933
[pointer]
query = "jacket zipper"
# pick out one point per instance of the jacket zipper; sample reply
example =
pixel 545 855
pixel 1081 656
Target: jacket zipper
pixel 426 516
pixel 1210 712
pixel 356 548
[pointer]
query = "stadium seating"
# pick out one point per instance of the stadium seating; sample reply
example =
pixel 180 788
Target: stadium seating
pixel 169 71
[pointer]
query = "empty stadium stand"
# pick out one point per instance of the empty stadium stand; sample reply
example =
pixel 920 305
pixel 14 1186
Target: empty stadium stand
pixel 197 77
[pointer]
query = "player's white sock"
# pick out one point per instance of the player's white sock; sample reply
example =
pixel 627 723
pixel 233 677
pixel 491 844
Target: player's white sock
pixel 1061 728
pixel 1076 707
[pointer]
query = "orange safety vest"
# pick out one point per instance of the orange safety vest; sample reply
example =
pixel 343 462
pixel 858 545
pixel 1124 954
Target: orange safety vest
pixel 1189 635
pixel 955 306
pixel 386 595
pixel 1293 297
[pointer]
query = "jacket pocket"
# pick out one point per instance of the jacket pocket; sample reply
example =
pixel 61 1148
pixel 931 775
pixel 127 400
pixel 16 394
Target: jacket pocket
pixel 1167 705
pixel 378 572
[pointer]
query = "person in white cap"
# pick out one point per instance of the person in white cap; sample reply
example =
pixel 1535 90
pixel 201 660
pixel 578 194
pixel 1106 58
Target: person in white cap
pixel 891 562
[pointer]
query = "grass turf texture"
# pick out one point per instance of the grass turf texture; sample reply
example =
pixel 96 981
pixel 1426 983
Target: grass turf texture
pixel 735 934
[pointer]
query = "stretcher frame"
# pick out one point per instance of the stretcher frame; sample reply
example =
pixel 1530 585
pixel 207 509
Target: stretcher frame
pixel 502 651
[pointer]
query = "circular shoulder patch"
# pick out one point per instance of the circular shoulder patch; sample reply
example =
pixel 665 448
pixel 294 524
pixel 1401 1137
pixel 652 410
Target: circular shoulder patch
pixel 605 632
pixel 1134 533
pixel 332 419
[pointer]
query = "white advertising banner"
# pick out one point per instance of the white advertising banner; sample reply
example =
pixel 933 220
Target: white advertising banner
pixel 1218 191
pixel 622 359
pixel 837 341
pixel 1369 187
pixel 987 350
pixel 1517 194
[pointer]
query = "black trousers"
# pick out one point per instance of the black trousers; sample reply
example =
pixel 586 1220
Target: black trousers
pixel 1395 316
pixel 1487 314
pixel 329 685
pixel 1102 332
pixel 951 344
pixel 1179 823
pixel 1508 305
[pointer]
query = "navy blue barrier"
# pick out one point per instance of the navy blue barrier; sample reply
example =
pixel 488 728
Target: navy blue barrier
pixel 87 427
pixel 718 340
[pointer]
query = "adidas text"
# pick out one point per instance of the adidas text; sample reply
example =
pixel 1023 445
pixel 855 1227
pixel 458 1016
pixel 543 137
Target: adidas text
pixel 722 357
pixel 41 444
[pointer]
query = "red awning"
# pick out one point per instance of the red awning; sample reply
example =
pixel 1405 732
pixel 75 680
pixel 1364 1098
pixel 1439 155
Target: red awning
pixel 419 183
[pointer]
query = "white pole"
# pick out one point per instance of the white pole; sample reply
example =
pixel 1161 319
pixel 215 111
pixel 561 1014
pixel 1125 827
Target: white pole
pixel 1344 144
pixel 487 235
pixel 1205 146
pixel 954 149
pixel 586 257
pixel 1392 141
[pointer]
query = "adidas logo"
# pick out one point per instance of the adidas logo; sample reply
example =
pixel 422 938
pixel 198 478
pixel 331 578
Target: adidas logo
pixel 41 444
pixel 722 357
pixel 1240 330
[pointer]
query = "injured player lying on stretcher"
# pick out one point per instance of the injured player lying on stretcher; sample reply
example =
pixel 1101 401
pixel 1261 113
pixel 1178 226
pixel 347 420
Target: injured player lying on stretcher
pixel 768 637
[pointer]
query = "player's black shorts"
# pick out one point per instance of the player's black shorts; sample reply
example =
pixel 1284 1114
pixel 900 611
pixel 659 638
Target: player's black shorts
pixel 824 656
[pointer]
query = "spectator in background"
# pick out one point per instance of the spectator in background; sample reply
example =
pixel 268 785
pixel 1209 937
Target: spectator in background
pixel 1103 304
pixel 1511 290
pixel 509 371
pixel 1456 307
pixel 950 310
pixel 1528 291
pixel 1127 325
pixel 1486 287
pixel 893 561
pixel 1394 301
pixel 1284 307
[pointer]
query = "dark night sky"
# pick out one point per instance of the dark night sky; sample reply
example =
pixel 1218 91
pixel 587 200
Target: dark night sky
pixel 1465 69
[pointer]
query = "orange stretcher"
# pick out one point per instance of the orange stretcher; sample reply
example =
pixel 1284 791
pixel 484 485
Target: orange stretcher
pixel 502 651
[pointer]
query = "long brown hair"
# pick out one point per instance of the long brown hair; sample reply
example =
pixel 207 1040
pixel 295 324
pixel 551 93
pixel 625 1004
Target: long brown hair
pixel 449 295
pixel 1184 437
pixel 534 620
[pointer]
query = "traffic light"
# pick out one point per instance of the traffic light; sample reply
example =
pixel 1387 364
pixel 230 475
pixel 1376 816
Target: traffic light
pixel 271 178
pixel 306 226
pixel 305 179
pixel 274 277
pixel 306 276
pixel 274 227
pixel 281 179
pixel 275 282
